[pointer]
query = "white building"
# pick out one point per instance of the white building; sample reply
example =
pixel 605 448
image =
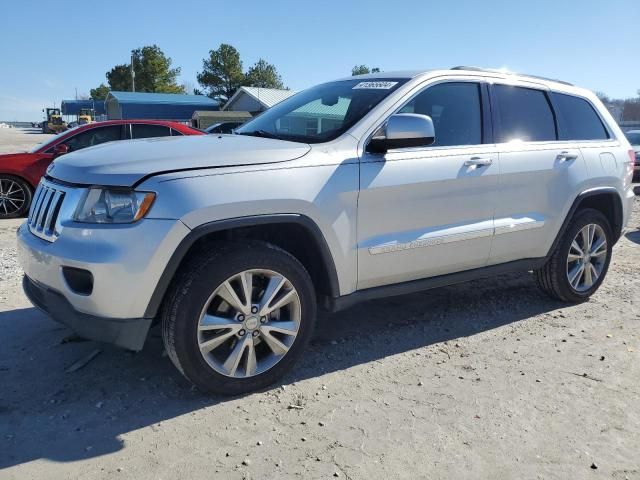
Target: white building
pixel 255 99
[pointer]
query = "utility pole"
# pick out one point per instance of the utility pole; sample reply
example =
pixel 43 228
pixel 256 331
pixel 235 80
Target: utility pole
pixel 133 76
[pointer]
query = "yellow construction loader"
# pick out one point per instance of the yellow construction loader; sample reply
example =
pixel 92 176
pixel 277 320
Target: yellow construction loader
pixel 86 115
pixel 53 123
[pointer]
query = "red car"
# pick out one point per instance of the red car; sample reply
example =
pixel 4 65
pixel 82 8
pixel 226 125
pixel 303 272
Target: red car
pixel 21 172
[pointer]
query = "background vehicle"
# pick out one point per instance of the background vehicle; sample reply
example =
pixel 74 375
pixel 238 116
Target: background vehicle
pixel 223 127
pixel 21 172
pixel 634 139
pixel 365 187
pixel 53 123
pixel 86 115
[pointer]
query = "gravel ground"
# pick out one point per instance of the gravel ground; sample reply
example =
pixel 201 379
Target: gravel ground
pixel 14 140
pixel 489 379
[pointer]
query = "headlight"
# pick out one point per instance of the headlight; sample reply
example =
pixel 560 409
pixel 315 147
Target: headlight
pixel 113 205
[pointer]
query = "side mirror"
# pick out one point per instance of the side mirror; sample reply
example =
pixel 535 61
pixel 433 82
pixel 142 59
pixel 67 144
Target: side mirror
pixel 60 149
pixel 403 130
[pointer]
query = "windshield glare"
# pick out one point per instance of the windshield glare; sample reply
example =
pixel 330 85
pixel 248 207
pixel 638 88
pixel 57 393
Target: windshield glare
pixel 323 112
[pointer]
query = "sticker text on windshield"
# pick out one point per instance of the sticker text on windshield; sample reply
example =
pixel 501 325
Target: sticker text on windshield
pixel 375 85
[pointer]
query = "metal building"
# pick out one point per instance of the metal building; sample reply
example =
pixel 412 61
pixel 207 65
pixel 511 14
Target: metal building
pixel 255 99
pixel 72 107
pixel 158 106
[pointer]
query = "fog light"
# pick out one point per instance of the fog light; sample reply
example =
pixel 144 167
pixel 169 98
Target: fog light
pixel 78 280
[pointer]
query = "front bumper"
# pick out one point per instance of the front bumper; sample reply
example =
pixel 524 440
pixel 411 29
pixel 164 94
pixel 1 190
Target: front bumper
pixel 127 333
pixel 125 263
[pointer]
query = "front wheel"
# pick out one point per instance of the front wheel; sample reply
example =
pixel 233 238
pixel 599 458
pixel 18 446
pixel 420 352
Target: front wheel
pixel 238 317
pixel 581 259
pixel 15 197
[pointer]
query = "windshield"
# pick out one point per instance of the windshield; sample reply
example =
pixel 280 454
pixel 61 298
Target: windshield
pixel 50 141
pixel 633 137
pixel 321 113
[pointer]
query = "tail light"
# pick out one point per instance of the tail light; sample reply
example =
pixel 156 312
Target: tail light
pixel 631 165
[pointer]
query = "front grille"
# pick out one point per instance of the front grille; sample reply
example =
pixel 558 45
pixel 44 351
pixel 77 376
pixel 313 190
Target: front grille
pixel 45 210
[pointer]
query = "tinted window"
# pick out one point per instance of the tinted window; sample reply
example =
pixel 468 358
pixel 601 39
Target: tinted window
pixel 525 114
pixel 149 131
pixel 176 133
pixel 455 111
pixel 94 136
pixel 633 137
pixel 578 120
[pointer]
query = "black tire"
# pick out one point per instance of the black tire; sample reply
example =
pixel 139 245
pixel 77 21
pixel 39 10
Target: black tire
pixel 196 281
pixel 552 277
pixel 7 207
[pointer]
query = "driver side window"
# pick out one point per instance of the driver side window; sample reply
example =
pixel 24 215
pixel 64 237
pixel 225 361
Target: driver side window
pixel 94 136
pixel 455 110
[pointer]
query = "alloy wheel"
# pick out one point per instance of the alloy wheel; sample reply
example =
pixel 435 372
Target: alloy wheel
pixel 12 196
pixel 587 257
pixel 249 323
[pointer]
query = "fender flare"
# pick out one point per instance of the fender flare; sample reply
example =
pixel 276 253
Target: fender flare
pixel 617 205
pixel 250 221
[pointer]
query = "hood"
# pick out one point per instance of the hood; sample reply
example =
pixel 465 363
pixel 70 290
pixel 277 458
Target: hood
pixel 125 163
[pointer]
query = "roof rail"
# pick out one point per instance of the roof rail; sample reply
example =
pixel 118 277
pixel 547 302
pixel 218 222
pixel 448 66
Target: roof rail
pixel 493 70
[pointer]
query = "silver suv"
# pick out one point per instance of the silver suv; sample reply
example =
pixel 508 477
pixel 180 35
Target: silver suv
pixel 354 189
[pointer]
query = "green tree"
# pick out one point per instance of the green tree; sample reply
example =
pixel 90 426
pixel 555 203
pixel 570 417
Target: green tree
pixel 100 92
pixel 263 74
pixel 363 69
pixel 119 78
pixel 360 70
pixel 153 73
pixel 221 72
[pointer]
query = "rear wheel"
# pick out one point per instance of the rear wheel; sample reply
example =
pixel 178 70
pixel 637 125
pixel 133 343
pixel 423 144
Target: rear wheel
pixel 15 196
pixel 238 317
pixel 580 262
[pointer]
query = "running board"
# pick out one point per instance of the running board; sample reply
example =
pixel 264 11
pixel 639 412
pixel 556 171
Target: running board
pixel 413 286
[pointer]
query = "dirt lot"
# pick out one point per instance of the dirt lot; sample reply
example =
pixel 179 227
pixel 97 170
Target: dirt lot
pixel 485 380
pixel 20 139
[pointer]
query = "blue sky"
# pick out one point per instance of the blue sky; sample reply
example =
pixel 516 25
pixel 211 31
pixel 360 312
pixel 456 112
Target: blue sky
pixel 591 43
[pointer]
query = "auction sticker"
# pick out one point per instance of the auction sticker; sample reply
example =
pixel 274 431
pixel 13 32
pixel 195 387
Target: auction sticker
pixel 375 85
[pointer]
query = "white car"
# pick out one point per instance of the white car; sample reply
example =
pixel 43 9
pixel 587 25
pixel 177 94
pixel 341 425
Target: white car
pixel 355 189
pixel 634 139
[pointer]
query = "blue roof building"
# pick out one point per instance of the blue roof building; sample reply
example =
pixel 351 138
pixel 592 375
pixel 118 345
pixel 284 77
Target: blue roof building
pixel 157 106
pixel 72 107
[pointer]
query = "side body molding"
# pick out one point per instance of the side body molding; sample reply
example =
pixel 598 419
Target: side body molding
pixel 250 221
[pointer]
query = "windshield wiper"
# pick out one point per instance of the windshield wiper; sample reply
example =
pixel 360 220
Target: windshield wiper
pixel 260 133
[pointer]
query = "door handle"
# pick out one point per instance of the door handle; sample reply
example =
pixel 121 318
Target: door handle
pixel 478 162
pixel 566 156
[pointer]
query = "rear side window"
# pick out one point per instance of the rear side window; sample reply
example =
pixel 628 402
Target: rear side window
pixel 525 114
pixel 176 133
pixel 93 136
pixel 577 118
pixel 455 110
pixel 140 130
